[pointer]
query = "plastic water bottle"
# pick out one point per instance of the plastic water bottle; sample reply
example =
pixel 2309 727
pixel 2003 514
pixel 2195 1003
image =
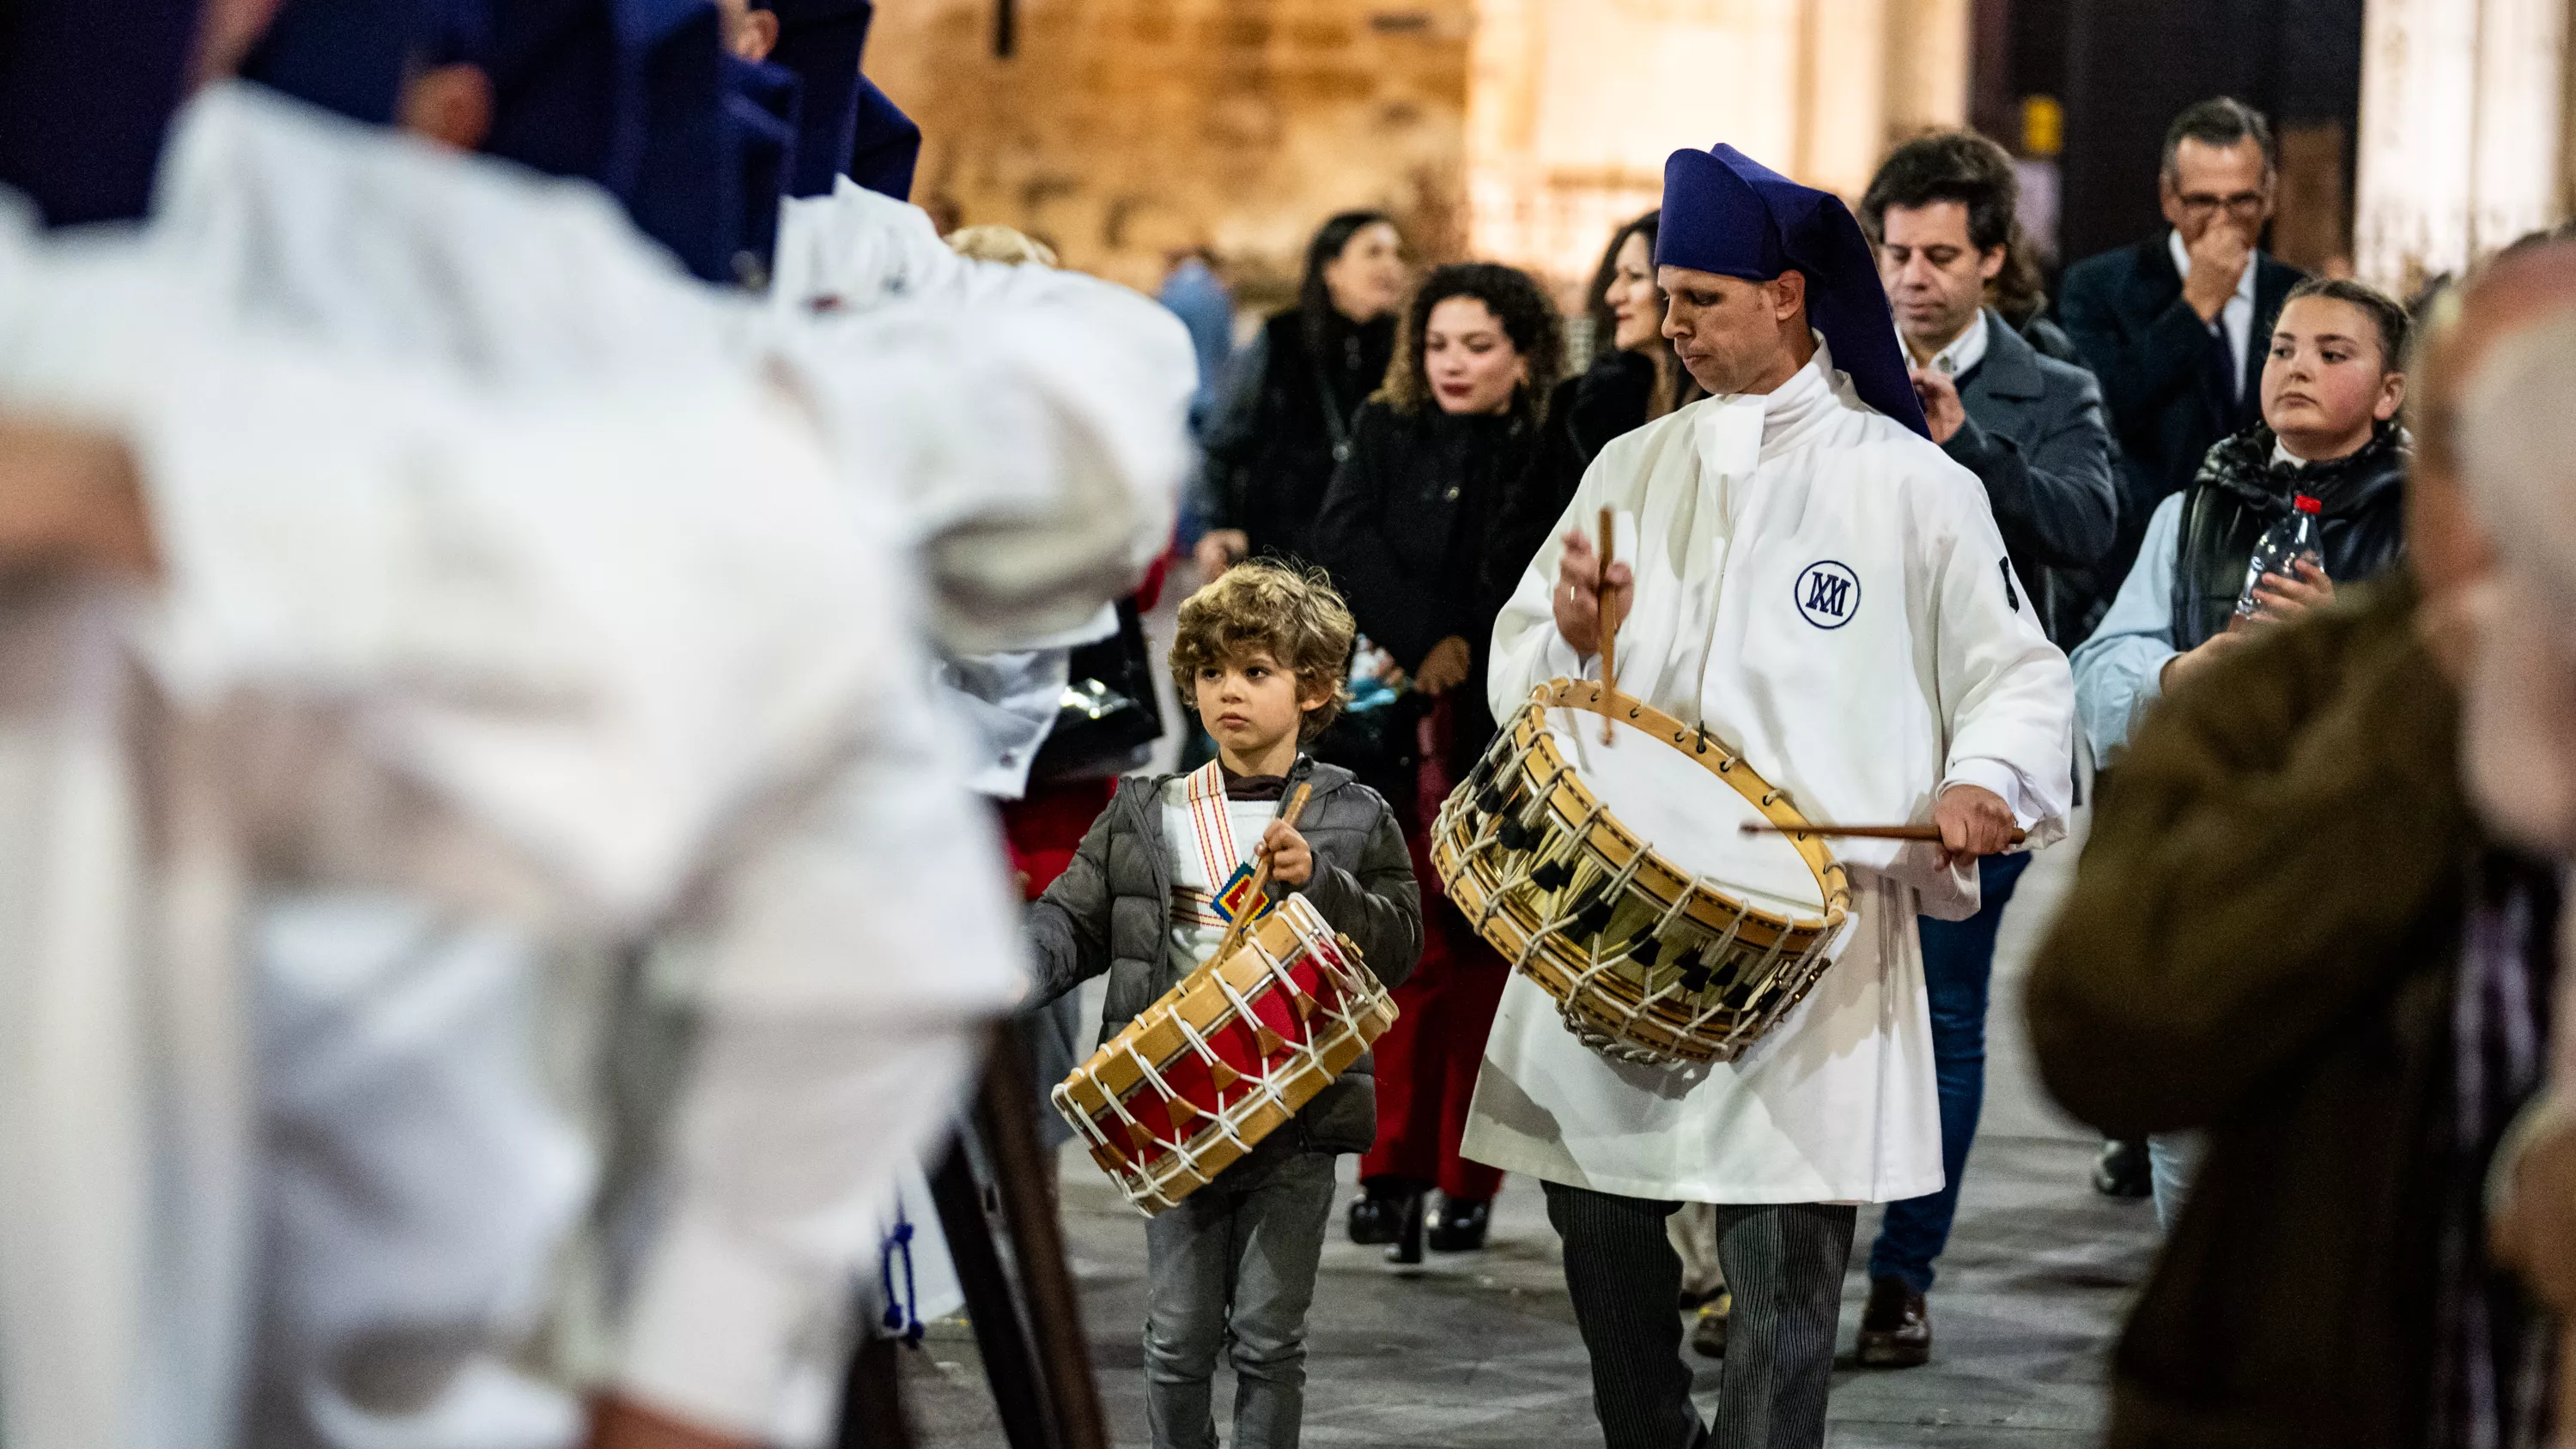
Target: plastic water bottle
pixel 2293 536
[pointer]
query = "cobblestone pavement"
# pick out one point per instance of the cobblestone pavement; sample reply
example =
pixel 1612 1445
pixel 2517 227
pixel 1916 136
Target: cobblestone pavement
pixel 1479 1351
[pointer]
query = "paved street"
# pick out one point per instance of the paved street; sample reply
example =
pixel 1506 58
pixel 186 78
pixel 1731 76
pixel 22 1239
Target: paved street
pixel 1480 1350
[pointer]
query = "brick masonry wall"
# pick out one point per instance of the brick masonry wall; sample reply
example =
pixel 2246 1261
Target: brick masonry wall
pixel 1122 129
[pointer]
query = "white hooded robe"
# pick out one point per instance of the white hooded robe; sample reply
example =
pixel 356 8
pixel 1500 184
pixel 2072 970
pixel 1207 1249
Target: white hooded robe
pixel 1915 664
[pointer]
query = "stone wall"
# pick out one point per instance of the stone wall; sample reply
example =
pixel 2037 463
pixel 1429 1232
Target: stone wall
pixel 1122 129
pixel 1523 130
pixel 1576 103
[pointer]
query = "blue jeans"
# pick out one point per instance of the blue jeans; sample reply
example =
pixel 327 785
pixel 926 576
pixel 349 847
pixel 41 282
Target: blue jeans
pixel 1958 967
pixel 1231 1269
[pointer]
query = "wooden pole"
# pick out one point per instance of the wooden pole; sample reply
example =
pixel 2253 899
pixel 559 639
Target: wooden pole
pixel 1607 609
pixel 1010 1365
pixel 1233 939
pixel 1861 832
pixel 1024 1172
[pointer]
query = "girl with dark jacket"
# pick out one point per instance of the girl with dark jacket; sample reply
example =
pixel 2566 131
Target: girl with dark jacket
pixel 1291 406
pixel 1409 534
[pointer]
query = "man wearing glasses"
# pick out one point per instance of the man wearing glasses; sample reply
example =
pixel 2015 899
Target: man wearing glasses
pixel 2173 326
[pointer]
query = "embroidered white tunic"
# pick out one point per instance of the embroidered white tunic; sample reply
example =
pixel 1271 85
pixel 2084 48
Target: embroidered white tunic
pixel 1828 593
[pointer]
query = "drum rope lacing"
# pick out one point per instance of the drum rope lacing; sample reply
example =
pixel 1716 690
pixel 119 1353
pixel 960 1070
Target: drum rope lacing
pixel 1353 999
pixel 1555 849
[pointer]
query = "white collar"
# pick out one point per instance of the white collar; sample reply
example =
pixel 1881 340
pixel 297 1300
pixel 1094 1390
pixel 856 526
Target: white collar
pixel 2282 454
pixel 2182 265
pixel 1964 352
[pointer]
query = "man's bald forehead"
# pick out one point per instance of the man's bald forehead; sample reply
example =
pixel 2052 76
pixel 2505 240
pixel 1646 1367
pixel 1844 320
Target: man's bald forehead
pixel 2519 283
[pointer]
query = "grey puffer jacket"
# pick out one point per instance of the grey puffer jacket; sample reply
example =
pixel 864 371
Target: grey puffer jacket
pixel 1111 911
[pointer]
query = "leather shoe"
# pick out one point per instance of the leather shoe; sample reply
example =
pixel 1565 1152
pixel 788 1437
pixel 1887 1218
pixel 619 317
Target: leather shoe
pixel 1895 1327
pixel 1406 1246
pixel 1376 1217
pixel 2123 1170
pixel 1461 1226
pixel 1708 1329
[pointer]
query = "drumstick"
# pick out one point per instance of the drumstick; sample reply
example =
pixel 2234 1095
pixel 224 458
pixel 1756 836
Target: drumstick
pixel 1260 883
pixel 1860 832
pixel 1607 607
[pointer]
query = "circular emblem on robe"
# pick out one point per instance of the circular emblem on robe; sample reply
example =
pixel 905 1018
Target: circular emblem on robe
pixel 1828 594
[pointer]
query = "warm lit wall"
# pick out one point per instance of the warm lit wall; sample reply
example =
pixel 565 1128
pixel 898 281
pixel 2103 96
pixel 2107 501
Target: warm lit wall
pixel 1519 129
pixel 1575 104
pixel 1123 128
pixel 2462 132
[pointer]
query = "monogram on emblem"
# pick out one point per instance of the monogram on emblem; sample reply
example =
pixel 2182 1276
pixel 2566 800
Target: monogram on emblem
pixel 1828 594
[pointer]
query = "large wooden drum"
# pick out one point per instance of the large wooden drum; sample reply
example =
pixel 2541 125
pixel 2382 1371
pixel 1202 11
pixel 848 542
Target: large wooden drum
pixel 1616 877
pixel 1226 1058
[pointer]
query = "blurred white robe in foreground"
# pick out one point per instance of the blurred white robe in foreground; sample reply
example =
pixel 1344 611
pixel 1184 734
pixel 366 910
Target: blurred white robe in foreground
pixel 594 666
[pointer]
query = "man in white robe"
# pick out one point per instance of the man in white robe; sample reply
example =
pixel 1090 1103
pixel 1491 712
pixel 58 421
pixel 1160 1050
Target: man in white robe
pixel 1810 577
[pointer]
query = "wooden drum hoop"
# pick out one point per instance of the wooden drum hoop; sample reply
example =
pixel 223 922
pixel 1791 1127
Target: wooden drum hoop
pixel 1156 1142
pixel 1758 963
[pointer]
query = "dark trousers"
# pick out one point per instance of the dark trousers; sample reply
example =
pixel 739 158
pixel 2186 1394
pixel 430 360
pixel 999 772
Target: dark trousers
pixel 1958 969
pixel 1427 1062
pixel 1784 1263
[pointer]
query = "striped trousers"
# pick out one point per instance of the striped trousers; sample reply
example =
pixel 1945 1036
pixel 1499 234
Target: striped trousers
pixel 1784 1264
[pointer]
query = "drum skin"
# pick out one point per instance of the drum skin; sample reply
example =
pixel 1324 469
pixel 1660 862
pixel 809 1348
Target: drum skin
pixel 1225 1058
pixel 1648 961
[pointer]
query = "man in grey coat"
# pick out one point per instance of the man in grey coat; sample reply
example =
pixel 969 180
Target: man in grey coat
pixel 2032 428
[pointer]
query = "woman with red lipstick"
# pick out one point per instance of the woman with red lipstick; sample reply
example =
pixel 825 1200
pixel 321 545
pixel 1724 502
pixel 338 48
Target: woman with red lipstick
pixel 1409 533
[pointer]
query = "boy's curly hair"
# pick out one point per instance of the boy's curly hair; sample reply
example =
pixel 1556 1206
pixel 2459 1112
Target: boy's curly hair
pixel 1293 613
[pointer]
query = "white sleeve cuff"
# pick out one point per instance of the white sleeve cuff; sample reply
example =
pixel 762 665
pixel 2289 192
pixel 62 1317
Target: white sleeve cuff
pixel 2002 780
pixel 1563 662
pixel 713 1319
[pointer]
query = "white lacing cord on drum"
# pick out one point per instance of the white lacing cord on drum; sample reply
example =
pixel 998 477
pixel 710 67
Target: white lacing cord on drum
pixel 1681 903
pixel 1795 984
pixel 1154 1180
pixel 1762 972
pixel 1224 1120
pixel 1627 1047
pixel 1511 753
pixel 1711 954
pixel 1518 871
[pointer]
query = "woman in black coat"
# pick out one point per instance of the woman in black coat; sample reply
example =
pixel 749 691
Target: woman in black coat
pixel 1408 532
pixel 1635 378
pixel 1293 398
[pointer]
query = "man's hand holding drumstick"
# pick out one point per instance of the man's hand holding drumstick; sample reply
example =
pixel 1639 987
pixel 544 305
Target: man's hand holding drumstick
pixel 1578 592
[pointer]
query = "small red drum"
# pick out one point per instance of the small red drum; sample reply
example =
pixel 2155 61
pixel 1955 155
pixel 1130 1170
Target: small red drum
pixel 1225 1058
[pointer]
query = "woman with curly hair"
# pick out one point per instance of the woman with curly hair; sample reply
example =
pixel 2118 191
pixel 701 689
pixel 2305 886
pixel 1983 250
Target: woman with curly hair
pixel 1410 533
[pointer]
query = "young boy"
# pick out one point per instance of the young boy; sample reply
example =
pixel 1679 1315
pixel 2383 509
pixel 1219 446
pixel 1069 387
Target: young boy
pixel 1258 658
pixel 2332 386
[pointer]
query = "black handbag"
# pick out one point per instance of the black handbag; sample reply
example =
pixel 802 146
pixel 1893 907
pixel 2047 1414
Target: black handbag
pixel 1110 715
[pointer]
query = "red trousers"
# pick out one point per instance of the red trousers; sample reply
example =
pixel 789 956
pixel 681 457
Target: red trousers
pixel 1427 1061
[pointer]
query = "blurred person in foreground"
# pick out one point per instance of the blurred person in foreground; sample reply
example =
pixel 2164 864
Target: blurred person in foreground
pixel 2177 325
pixel 1285 419
pixel 2289 933
pixel 2520 756
pixel 663 693
pixel 2331 394
pixel 1409 532
pixel 1941 214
